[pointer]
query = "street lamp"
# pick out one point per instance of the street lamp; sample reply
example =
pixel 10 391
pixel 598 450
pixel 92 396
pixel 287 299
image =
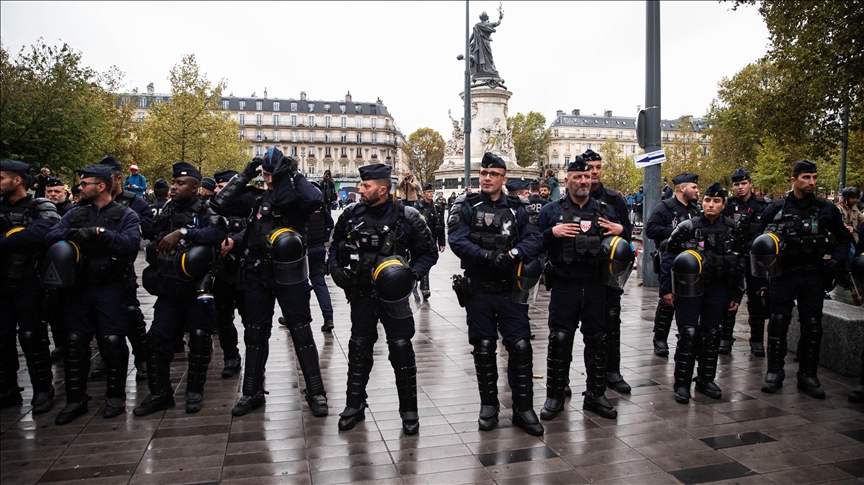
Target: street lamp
pixel 466 125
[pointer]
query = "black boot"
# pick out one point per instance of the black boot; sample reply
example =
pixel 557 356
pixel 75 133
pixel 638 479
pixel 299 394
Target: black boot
pixel 328 324
pixel 708 364
pixel 778 325
pixel 117 359
pixel 405 368
pixel 558 359
pixel 757 331
pixel 359 367
pixel 35 347
pixel 811 338
pixel 257 348
pixel 595 396
pixel 307 355
pixel 727 327
pixel 614 379
pixel 228 340
pixel 200 352
pixel 137 336
pixel 158 377
pixel 10 392
pixel 486 366
pixel 520 372
pixel 685 360
pixel 77 363
pixel 662 323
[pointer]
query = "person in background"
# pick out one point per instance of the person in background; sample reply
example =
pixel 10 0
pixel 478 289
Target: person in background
pixel 135 182
pixel 40 182
pixel 848 206
pixel 409 189
pixel 552 183
pixel 208 186
pixel 328 190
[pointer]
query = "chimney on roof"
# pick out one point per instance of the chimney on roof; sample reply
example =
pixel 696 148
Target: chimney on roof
pixel 150 89
pixel 559 112
pixel 379 101
pixel 576 112
pixel 348 97
pixel 607 113
pixel 302 95
pixel 265 93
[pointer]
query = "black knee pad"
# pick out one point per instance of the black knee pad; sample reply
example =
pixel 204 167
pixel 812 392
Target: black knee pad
pixel 257 334
pixel 778 325
pixel 561 345
pixel 400 345
pixel 32 341
pixel 665 313
pixel 521 350
pixel 301 333
pixel 485 346
pixel 76 341
pixel 200 342
pixel 812 326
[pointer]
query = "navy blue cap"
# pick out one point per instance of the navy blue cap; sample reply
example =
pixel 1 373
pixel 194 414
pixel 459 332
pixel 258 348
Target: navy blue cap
pixel 76 189
pixel 224 175
pixel 578 165
pixel 97 170
pixel 113 163
pixel 208 183
pixel 716 190
pixel 427 187
pixel 804 166
pixel 54 182
pixel 14 166
pixel 183 169
pixel 591 156
pixel 492 161
pixel 534 184
pixel 271 158
pixel 160 184
pixel 681 178
pixel 740 175
pixel 375 171
pixel 516 185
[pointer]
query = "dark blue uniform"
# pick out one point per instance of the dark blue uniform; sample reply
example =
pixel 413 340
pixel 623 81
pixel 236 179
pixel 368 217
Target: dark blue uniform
pixel 434 216
pixel 318 229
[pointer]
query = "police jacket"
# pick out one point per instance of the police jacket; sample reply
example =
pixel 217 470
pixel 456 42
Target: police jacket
pixel 810 228
pixel 666 216
pixel 319 227
pixel 433 214
pixel 156 207
pixel 575 259
pixel 364 235
pixel 23 226
pixel 535 202
pixel 478 226
pixel 618 205
pixel 748 214
pixel 720 245
pixel 142 208
pixel 64 207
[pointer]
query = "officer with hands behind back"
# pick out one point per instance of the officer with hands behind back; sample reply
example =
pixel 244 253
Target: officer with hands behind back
pixel 492 234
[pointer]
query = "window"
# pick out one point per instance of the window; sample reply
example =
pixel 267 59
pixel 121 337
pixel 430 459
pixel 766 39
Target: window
pixel 344 138
pixel 224 116
pixel 359 122
pixel 374 122
pixel 344 122
pixel 327 121
pixel 344 152
pixel 275 120
pixel 242 134
pixel 142 102
pixel 359 138
pixel 311 152
pixel 277 136
pixel 374 138
pixel 225 104
pixel 242 104
pixel 258 120
pixel 326 108
pixel 373 109
pixel 275 105
pixel 555 162
pixel 311 107
pixel 259 150
pixel 293 106
pixel 327 152
pixel 342 108
pixel 358 108
pixel 312 136
pixel 327 137
pixel 311 121
pixel 258 135
pixel 141 117
pixel 294 151
pixel 589 146
pixel 555 133
pixel 242 119
pixel 359 152
pixel 374 153
pixel 566 160
pixel 293 120
pixel 294 136
pixel 259 105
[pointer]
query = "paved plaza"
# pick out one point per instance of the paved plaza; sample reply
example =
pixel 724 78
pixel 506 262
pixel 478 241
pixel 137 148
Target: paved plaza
pixel 747 437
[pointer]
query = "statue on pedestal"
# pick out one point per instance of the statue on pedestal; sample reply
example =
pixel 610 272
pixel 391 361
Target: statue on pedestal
pixel 493 137
pixel 483 70
pixel 456 146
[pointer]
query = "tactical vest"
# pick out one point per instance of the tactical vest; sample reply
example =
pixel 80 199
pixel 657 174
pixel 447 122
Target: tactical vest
pixel 169 220
pixel 101 264
pixel 585 248
pixel 493 227
pixel 680 215
pixel 430 214
pixel 370 240
pixel 717 247
pixel 747 217
pixel 17 265
pixel 316 228
pixel 125 198
pixel 268 218
pixel 804 236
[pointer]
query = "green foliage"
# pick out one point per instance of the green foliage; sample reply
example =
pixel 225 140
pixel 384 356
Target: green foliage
pixel 530 137
pixel 619 172
pixel 425 149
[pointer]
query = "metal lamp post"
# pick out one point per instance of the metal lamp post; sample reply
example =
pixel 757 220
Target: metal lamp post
pixel 466 125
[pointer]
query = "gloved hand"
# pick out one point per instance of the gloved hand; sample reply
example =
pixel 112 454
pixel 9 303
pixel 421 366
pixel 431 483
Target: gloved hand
pixel 83 235
pixel 834 268
pixel 490 257
pixel 504 263
pixel 251 170
pixel 341 277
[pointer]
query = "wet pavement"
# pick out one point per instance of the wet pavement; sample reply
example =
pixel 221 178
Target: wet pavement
pixel 747 437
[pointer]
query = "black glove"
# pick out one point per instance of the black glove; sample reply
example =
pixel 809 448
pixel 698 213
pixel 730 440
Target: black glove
pixel 251 170
pixel 504 263
pixel 341 277
pixel 83 235
pixel 490 257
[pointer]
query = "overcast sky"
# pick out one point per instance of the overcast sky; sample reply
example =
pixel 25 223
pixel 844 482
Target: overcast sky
pixel 552 55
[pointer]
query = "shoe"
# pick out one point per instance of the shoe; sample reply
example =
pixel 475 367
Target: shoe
pixel 857 394
pixel 328 324
pixel 488 419
pixel 350 417
pixel 114 407
pixel 599 405
pixel 757 348
pixel 682 395
pixel 773 382
pixel 426 296
pixel 710 389
pixel 72 410
pixel 42 402
pixel 527 420
pixel 616 382
pixel 551 408
pixel 232 367
pixel 99 372
pixel 811 386
pixel 247 404
pixel 57 354
pixel 318 405
pixel 194 402
pixel 661 348
pixel 155 403
pixel 725 347
pixel 410 423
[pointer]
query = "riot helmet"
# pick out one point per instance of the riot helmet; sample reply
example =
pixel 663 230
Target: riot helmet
pixel 620 261
pixel 687 274
pixel 525 285
pixel 288 252
pixel 62 265
pixel 765 257
pixel 193 262
pixel 395 284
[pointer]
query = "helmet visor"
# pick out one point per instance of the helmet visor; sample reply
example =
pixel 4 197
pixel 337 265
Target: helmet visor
pixel 764 266
pixel 616 273
pixel 404 307
pixel 686 284
pixel 525 289
pixel 291 273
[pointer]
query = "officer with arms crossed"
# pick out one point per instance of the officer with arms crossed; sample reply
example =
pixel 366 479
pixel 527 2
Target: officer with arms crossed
pixel 746 208
pixel 492 233
pixel 274 267
pixel 107 236
pixel 664 218
pixel 372 242
pixel 803 229
pixel 434 217
pixel 24 221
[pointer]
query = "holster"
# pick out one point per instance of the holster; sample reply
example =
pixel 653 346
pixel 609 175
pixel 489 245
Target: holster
pixel 457 288
pixel 655 259
pixel 548 275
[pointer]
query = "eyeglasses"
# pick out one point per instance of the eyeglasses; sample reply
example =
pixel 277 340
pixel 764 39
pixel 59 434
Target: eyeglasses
pixel 494 175
pixel 85 184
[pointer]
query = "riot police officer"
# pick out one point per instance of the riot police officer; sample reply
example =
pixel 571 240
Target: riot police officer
pixel 24 221
pixel 160 192
pixel 664 218
pixel 517 188
pixel 807 228
pixel 318 231
pixel 274 267
pixel 534 199
pixel 179 259
pixel 702 278
pixel 433 214
pixel 573 228
pixel 491 233
pixel 55 191
pixel 746 209
pixel 52 305
pixel 372 242
pixel 107 235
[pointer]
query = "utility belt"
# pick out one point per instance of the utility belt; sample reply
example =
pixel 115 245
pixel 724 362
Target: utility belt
pixel 468 286
pixel 489 241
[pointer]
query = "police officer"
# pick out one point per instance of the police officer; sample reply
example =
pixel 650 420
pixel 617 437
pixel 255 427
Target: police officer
pixel 517 188
pixel 702 292
pixel 318 231
pixel 208 187
pixel 746 208
pixel 535 200
pixel 160 192
pixel 24 221
pixel 664 218
pixel 433 214
pixel 809 228
pixel 275 270
pixel 108 236
pixel 179 257
pixel 491 233
pixel 624 229
pixel 52 305
pixel 55 191
pixel 372 242
pixel 573 228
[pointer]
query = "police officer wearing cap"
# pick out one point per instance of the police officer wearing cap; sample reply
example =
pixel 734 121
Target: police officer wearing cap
pixel 318 230
pixel 369 258
pixel 573 229
pixel 274 269
pixel 52 305
pixel 433 214
pixel 624 229
pixel 55 191
pixel 808 229
pixel 208 187
pixel 746 208
pixel 179 258
pixel 535 200
pixel 129 199
pixel 492 233
pixel 24 222
pixel 106 236
pixel 664 218
pixel 517 188
pixel 701 276
pixel 160 192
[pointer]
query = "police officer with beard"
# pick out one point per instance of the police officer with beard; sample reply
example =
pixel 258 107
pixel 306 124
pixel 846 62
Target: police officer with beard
pixel 491 233
pixel 274 266
pixel 372 242
pixel 24 222
pixel 52 304
pixel 179 257
pixel 433 214
pixel 808 229
pixel 746 208
pixel 107 236
pixel 664 218
pixel 55 191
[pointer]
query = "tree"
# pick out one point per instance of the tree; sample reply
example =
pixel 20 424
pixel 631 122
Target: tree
pixel 425 148
pixel 619 172
pixel 530 137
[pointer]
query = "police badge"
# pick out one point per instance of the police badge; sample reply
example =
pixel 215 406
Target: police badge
pixel 585 226
pixel 489 218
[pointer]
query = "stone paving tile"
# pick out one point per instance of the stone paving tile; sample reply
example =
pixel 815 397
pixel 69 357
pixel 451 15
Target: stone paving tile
pixel 653 440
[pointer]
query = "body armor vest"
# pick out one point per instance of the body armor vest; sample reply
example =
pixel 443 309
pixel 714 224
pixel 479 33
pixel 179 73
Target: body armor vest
pixel 802 232
pixel 493 227
pixel 371 240
pixel 430 214
pixel 717 247
pixel 270 217
pixel 170 219
pixel 585 248
pixel 316 228
pixel 747 217
pixel 125 198
pixel 680 215
pixel 17 265
pixel 100 264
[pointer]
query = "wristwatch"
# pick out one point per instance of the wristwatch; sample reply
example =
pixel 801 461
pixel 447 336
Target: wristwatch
pixel 184 232
pixel 514 252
